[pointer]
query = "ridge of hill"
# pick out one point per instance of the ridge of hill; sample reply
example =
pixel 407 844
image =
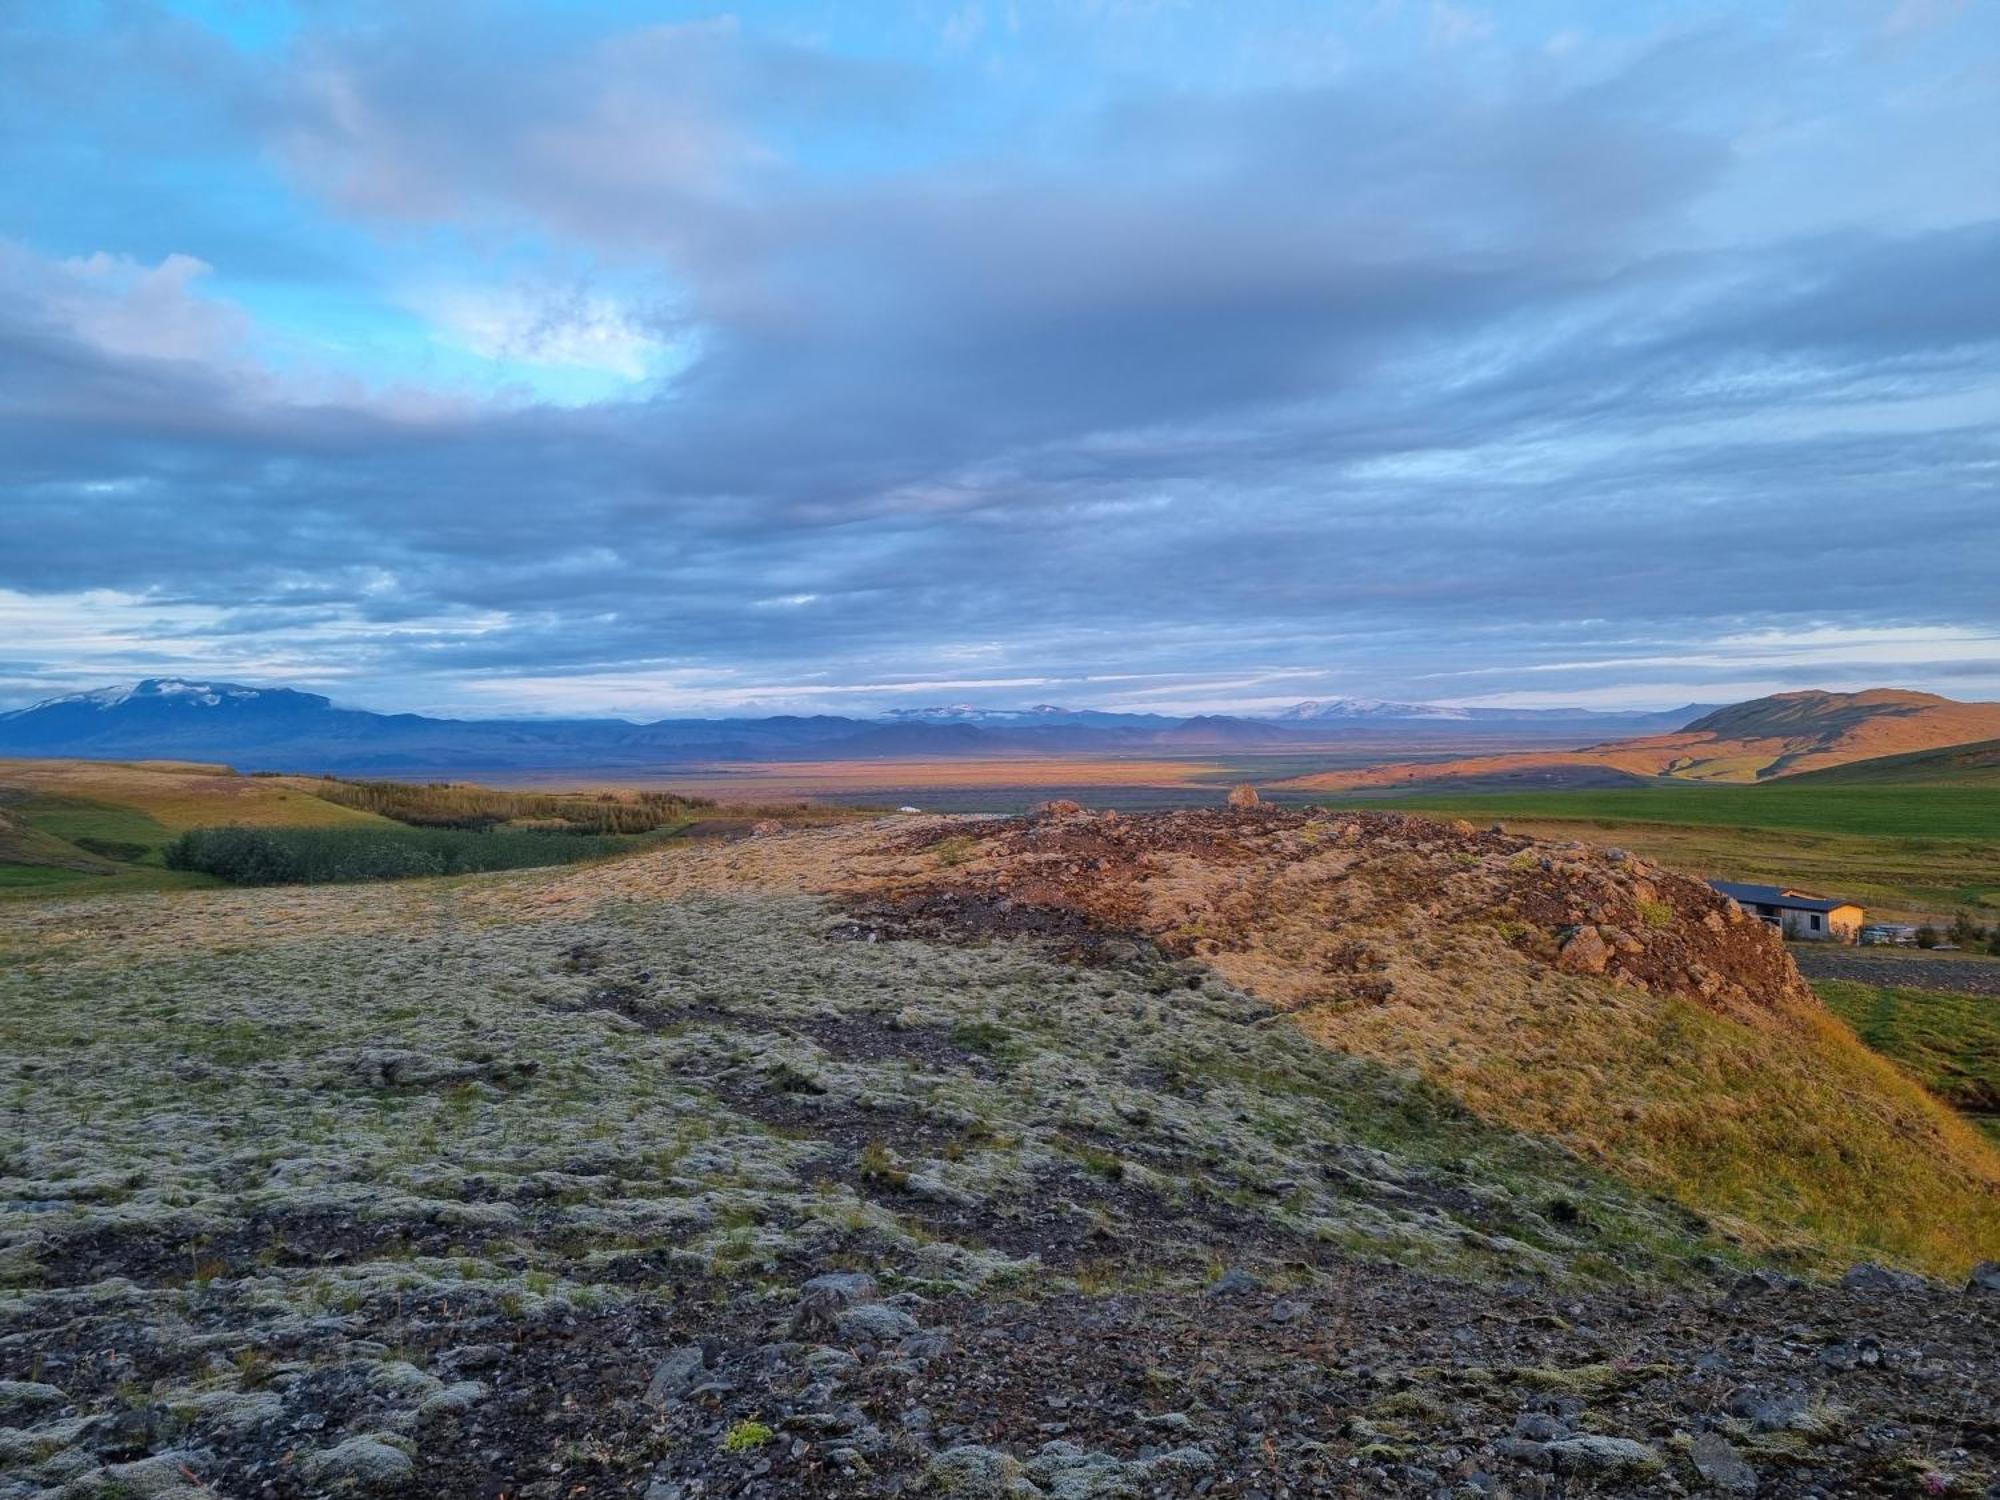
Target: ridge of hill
pixel 1763 739
pixel 1622 1008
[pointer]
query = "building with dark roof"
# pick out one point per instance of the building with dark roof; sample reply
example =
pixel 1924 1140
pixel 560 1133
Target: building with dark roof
pixel 1797 914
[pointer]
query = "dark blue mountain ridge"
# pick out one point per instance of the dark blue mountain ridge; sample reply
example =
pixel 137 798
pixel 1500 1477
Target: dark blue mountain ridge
pixel 277 728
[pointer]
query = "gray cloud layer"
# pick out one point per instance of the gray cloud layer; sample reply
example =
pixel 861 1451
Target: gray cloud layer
pixel 1385 379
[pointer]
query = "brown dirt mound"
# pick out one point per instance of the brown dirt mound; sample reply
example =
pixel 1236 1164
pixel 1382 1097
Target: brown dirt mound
pixel 1284 893
pixel 1568 991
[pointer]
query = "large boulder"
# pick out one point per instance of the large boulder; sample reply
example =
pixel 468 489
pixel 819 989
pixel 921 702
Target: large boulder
pixel 1584 952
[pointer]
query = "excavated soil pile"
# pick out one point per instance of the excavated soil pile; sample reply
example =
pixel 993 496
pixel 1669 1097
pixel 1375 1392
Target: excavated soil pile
pixel 1315 907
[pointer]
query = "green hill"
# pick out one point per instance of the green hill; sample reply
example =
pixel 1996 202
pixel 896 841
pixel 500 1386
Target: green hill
pixel 1976 764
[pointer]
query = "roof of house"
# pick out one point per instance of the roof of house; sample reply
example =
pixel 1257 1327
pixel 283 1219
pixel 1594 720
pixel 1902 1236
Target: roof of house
pixel 1776 895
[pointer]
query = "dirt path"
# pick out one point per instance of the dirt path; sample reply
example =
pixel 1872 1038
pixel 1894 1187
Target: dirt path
pixel 1964 976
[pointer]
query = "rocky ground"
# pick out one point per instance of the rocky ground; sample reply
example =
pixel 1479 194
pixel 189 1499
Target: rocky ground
pixel 683 1191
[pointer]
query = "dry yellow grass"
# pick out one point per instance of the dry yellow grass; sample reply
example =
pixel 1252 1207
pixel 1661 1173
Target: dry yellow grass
pixel 1760 1111
pixel 181 794
pixel 745 781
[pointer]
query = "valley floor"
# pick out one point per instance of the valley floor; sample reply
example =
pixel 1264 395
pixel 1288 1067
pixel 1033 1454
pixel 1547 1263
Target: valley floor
pixel 670 1179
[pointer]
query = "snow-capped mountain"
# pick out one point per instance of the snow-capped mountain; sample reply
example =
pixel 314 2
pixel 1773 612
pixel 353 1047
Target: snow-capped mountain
pixel 1315 710
pixel 1044 715
pixel 963 713
pixel 174 691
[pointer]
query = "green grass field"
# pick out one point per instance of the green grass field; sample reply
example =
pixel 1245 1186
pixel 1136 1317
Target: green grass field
pixel 1906 852
pixel 1950 1043
pixel 1875 811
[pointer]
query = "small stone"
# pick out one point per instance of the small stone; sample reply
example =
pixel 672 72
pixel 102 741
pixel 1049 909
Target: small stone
pixel 1540 1427
pixel 1985 1280
pixel 875 1322
pixel 846 1287
pixel 1722 1466
pixel 1234 1282
pixel 1592 1454
pixel 673 1375
pixel 1585 952
pixel 1872 1278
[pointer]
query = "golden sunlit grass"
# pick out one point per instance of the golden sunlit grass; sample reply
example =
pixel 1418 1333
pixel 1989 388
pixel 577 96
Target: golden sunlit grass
pixel 99 826
pixel 1769 1117
pixel 174 795
pixel 1790 1133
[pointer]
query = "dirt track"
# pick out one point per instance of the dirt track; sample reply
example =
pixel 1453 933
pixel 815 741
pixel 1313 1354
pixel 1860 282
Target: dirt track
pixel 1965 976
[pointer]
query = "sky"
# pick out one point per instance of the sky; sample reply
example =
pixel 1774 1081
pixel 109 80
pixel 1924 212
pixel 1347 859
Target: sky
pixel 849 355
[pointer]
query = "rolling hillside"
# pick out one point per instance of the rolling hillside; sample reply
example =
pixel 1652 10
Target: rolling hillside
pixel 1607 1002
pixel 1976 765
pixel 1764 739
pixel 100 825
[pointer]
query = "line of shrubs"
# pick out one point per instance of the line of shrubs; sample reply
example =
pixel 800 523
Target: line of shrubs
pixel 319 856
pixel 458 804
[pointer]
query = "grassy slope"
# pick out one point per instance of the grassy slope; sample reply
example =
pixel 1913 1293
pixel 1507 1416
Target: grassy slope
pixel 52 804
pixel 1974 765
pixel 1791 1132
pixel 1902 851
pixel 1950 1042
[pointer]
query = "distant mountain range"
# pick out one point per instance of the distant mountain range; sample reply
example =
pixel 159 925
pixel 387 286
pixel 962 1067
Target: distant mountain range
pixel 256 728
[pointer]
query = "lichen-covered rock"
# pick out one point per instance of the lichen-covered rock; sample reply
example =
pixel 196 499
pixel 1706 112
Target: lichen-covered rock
pixel 975 1473
pixel 28 1398
pixel 1594 1454
pixel 369 1464
pixel 875 1322
pixel 1718 1462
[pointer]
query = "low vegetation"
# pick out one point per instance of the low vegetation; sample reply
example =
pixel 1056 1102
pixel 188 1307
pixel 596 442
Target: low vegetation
pixel 1904 852
pixel 667 1176
pixel 1950 1043
pixel 458 804
pixel 317 856
pixel 1874 811
pixel 106 827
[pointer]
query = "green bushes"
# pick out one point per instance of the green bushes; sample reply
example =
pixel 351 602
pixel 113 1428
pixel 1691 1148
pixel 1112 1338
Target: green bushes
pixel 457 804
pixel 318 856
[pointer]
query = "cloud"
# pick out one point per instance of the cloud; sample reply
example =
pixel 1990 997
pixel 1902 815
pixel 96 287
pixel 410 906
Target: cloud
pixel 1349 385
pixel 121 307
pixel 563 326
